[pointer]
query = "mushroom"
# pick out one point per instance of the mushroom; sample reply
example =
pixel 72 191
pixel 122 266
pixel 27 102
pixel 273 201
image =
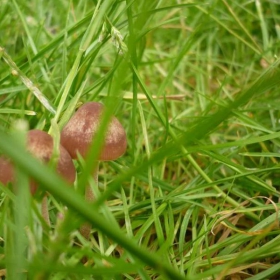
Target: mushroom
pixel 40 145
pixel 78 135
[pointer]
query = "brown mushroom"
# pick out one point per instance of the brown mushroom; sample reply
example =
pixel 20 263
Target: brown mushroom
pixel 41 145
pixel 79 133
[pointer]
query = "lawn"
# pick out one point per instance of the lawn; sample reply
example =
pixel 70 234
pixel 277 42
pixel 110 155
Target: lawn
pixel 195 85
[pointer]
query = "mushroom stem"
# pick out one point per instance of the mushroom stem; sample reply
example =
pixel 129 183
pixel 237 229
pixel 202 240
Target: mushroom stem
pixel 89 196
pixel 45 210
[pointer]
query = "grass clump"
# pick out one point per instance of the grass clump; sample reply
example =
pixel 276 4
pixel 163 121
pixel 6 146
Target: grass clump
pixel 196 87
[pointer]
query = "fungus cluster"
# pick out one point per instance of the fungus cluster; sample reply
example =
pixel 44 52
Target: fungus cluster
pixel 76 138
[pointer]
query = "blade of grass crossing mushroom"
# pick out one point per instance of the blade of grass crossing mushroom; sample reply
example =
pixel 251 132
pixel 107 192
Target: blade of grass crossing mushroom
pixel 56 186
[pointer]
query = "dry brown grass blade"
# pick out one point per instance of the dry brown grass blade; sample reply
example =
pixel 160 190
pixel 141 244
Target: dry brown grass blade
pixel 226 214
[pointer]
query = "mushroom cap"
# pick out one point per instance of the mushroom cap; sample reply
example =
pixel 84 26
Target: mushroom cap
pixel 6 171
pixel 78 134
pixel 40 145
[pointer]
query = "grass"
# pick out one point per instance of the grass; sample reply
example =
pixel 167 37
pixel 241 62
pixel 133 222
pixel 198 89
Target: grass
pixel 195 84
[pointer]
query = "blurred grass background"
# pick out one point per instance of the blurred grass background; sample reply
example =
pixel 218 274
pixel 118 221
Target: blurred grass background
pixel 195 85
